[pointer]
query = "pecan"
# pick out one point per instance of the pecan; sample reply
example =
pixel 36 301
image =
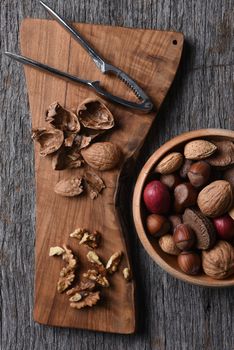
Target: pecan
pixel 113 262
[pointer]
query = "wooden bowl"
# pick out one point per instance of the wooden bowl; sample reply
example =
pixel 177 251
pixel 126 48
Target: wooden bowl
pixel 166 261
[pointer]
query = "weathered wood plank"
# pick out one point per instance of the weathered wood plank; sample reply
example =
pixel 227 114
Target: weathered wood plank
pixel 173 315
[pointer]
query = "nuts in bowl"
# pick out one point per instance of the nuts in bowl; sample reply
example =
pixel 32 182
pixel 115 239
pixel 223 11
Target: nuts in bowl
pixel 183 207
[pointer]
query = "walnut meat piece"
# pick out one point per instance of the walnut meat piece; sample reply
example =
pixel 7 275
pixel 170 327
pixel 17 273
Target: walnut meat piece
pixel 56 251
pixel 67 274
pixel 97 277
pixel 85 237
pixel 89 299
pixel 94 258
pixel 69 187
pixel 61 118
pixel 81 287
pixel 127 274
pixel 94 114
pixel 218 262
pixel 94 183
pixel 50 140
pixel 113 262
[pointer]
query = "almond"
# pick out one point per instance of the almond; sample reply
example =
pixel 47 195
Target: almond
pixel 170 163
pixel 215 199
pixel 102 155
pixel 199 149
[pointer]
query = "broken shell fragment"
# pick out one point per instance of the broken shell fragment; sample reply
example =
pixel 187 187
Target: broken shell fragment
pixel 94 114
pixel 49 139
pixel 94 183
pixel 69 187
pixel 61 118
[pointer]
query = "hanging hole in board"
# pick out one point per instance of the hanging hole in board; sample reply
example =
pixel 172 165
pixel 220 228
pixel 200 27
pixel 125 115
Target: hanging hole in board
pixel 174 42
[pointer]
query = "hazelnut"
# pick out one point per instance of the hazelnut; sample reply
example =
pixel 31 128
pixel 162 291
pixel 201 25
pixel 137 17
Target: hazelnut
pixel 185 168
pixel 170 180
pixel 189 262
pixel 157 225
pixel 185 196
pixel 184 237
pixel 175 220
pixel 199 173
pixel 167 244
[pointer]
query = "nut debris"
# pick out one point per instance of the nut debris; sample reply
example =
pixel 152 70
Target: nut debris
pixel 97 277
pixel 56 251
pixel 61 118
pixel 113 262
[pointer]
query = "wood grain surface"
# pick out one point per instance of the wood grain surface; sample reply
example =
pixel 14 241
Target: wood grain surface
pixel 152 60
pixel 173 315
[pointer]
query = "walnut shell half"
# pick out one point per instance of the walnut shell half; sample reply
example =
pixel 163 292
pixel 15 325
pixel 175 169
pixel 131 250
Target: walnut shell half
pixel 94 114
pixel 61 118
pixel 218 262
pixel 50 140
pixel 69 187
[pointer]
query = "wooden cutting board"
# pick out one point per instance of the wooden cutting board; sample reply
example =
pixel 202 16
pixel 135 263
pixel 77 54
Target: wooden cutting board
pixel 151 57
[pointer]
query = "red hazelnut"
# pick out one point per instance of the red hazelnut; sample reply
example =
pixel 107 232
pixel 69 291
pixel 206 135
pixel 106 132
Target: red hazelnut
pixel 156 197
pixel 224 226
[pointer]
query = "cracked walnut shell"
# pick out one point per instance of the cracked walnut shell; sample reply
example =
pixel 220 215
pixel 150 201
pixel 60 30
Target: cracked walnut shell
pixel 94 114
pixel 218 262
pixel 61 118
pixel 69 187
pixel 49 139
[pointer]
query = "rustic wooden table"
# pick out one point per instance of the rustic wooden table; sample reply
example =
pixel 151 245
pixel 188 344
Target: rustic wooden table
pixel 172 314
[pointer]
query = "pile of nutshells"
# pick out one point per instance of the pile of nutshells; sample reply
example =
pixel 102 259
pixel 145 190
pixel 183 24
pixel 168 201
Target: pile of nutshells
pixel 190 206
pixel 68 139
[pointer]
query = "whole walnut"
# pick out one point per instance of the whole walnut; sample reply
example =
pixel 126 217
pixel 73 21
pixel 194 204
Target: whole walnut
pixel 218 262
